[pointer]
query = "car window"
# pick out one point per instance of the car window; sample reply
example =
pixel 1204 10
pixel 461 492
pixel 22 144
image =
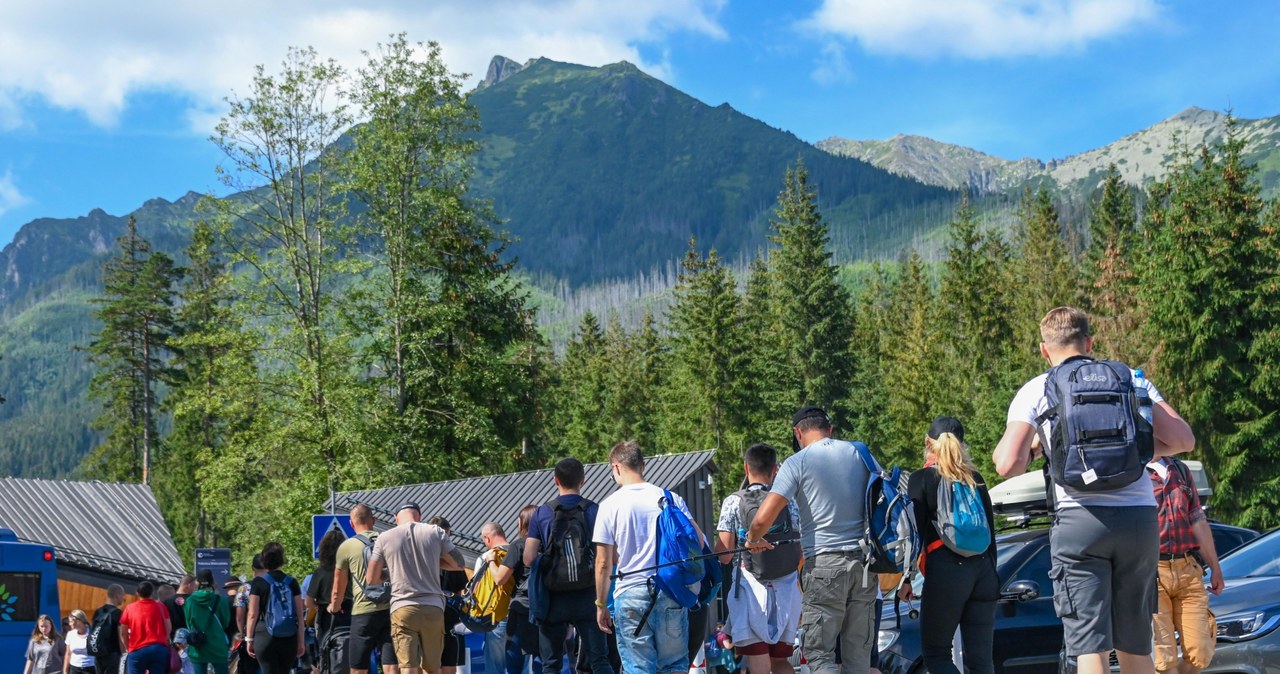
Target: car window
pixel 1226 540
pixel 1037 569
pixel 1259 557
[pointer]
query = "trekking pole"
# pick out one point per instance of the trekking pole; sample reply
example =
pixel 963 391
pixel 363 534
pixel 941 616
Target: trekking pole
pixel 620 575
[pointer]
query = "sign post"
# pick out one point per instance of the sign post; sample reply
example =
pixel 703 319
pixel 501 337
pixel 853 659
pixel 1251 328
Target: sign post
pixel 323 524
pixel 217 560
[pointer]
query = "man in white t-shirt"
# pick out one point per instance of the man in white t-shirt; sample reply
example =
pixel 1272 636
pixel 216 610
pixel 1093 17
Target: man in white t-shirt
pixel 625 537
pixel 1105 544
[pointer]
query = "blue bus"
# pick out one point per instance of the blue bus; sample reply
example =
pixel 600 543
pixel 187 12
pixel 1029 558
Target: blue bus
pixel 28 589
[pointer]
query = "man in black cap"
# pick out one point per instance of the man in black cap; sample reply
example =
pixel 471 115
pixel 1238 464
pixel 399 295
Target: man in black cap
pixel 414 553
pixel 826 479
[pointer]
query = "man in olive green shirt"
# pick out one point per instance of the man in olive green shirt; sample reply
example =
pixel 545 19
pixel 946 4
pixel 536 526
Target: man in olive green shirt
pixel 370 622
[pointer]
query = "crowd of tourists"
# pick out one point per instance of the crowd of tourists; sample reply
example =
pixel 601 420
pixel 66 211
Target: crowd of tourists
pixel 1128 541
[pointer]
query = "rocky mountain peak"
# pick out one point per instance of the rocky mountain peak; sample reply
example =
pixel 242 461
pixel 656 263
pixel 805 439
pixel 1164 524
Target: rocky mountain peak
pixel 500 68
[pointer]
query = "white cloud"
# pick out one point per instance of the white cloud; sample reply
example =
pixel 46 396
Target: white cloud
pixel 833 66
pixel 977 28
pixel 92 56
pixel 10 196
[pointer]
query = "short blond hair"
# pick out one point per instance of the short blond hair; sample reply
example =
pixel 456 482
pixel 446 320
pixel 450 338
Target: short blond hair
pixel 1065 327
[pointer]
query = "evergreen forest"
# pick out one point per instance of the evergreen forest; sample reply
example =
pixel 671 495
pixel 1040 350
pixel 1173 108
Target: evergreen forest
pixel 353 321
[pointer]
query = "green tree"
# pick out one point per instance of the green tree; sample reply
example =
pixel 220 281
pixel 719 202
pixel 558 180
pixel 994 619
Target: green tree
pixel 1110 279
pixel 912 362
pixel 284 229
pixel 973 321
pixel 211 401
pixel 704 407
pixel 1210 284
pixel 579 427
pixel 1042 271
pixel 451 330
pixel 130 356
pixel 813 308
pixel 768 385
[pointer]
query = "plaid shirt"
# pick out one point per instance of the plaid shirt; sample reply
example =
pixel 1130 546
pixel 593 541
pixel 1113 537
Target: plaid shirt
pixel 1179 507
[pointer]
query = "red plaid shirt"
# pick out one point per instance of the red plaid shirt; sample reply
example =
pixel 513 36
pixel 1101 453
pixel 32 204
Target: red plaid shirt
pixel 1179 507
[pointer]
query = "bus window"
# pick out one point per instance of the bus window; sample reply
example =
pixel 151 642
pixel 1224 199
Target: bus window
pixel 19 596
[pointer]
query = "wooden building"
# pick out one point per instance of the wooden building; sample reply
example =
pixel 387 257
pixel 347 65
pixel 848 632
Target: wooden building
pixel 101 533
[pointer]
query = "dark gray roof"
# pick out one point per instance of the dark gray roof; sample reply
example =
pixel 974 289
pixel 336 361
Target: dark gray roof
pixel 471 502
pixel 113 528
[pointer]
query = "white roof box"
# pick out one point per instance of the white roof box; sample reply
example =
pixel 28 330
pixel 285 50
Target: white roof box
pixel 1026 492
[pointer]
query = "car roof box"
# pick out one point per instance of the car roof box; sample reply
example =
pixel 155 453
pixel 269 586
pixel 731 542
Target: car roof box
pixel 1025 493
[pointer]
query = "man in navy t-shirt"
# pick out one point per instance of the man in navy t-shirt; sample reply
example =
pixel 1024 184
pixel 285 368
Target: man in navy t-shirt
pixel 568 607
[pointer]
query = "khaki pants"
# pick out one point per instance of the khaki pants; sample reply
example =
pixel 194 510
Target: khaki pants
pixel 838 610
pixel 418 634
pixel 1184 609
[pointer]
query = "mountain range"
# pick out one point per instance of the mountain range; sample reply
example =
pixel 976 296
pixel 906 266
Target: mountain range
pixel 601 175
pixel 1141 157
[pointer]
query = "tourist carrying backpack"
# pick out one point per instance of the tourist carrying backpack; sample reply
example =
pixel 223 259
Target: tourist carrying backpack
pixel 825 479
pixel 961 585
pixel 276 635
pixel 1091 419
pixel 560 543
pixel 103 641
pixel 764 590
pixel 650 616
pixel 370 620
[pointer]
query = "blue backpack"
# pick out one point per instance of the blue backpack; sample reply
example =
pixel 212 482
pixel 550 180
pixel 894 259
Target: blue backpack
pixel 960 519
pixel 891 541
pixel 679 549
pixel 280 617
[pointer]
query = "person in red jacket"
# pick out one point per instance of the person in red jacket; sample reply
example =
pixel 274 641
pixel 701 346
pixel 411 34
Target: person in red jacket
pixel 144 633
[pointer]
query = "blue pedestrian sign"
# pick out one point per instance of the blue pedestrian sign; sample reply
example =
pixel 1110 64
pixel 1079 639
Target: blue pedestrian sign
pixel 323 524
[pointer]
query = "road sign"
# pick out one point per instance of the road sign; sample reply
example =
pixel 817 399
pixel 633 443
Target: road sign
pixel 217 560
pixel 323 524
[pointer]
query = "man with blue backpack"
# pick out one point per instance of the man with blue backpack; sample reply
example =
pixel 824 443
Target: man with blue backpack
pixel 647 533
pixel 825 479
pixel 1098 425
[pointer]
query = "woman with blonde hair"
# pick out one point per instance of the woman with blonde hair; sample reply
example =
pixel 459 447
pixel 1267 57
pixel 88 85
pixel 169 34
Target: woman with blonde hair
pixel 957 529
pixel 46 649
pixel 78 660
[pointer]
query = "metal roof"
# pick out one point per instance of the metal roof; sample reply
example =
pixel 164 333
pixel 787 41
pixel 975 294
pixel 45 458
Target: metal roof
pixel 469 503
pixel 109 527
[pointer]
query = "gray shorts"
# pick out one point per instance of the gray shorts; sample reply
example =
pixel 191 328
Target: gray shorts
pixel 1104 577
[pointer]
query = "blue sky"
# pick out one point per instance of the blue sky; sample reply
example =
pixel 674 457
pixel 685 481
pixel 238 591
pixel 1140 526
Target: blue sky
pixel 105 105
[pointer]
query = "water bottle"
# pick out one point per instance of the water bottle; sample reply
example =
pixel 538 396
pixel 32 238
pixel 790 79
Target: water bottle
pixel 1144 396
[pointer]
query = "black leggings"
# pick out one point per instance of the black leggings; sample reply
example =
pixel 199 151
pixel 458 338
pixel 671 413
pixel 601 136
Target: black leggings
pixel 958 591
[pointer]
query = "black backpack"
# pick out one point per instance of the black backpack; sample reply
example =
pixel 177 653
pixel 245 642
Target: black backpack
pixel 1098 440
pixel 569 561
pixel 784 558
pixel 378 593
pixel 102 638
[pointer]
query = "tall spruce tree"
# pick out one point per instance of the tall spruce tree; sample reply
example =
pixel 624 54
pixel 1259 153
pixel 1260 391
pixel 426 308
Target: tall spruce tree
pixel 814 309
pixel 704 404
pixel 1110 279
pixel 578 425
pixel 973 321
pixel 912 361
pixel 768 386
pixel 1209 283
pixel 211 400
pixel 130 354
pixel 1042 271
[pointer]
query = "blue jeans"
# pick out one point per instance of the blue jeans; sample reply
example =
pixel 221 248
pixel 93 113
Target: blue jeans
pixel 662 646
pixel 495 650
pixel 153 659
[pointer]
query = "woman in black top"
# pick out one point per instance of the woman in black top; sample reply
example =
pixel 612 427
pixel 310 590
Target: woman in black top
pixel 275 655
pixel 958 590
pixel 322 586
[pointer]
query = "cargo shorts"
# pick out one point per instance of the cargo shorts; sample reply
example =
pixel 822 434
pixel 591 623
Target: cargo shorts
pixel 1104 577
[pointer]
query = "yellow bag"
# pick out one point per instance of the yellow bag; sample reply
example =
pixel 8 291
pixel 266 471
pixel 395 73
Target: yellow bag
pixel 484 604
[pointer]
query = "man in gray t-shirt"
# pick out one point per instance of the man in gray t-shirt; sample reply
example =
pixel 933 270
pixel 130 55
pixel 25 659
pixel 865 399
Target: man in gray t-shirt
pixel 826 479
pixel 414 553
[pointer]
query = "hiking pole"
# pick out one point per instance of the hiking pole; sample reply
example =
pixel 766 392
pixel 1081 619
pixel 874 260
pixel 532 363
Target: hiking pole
pixel 696 558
